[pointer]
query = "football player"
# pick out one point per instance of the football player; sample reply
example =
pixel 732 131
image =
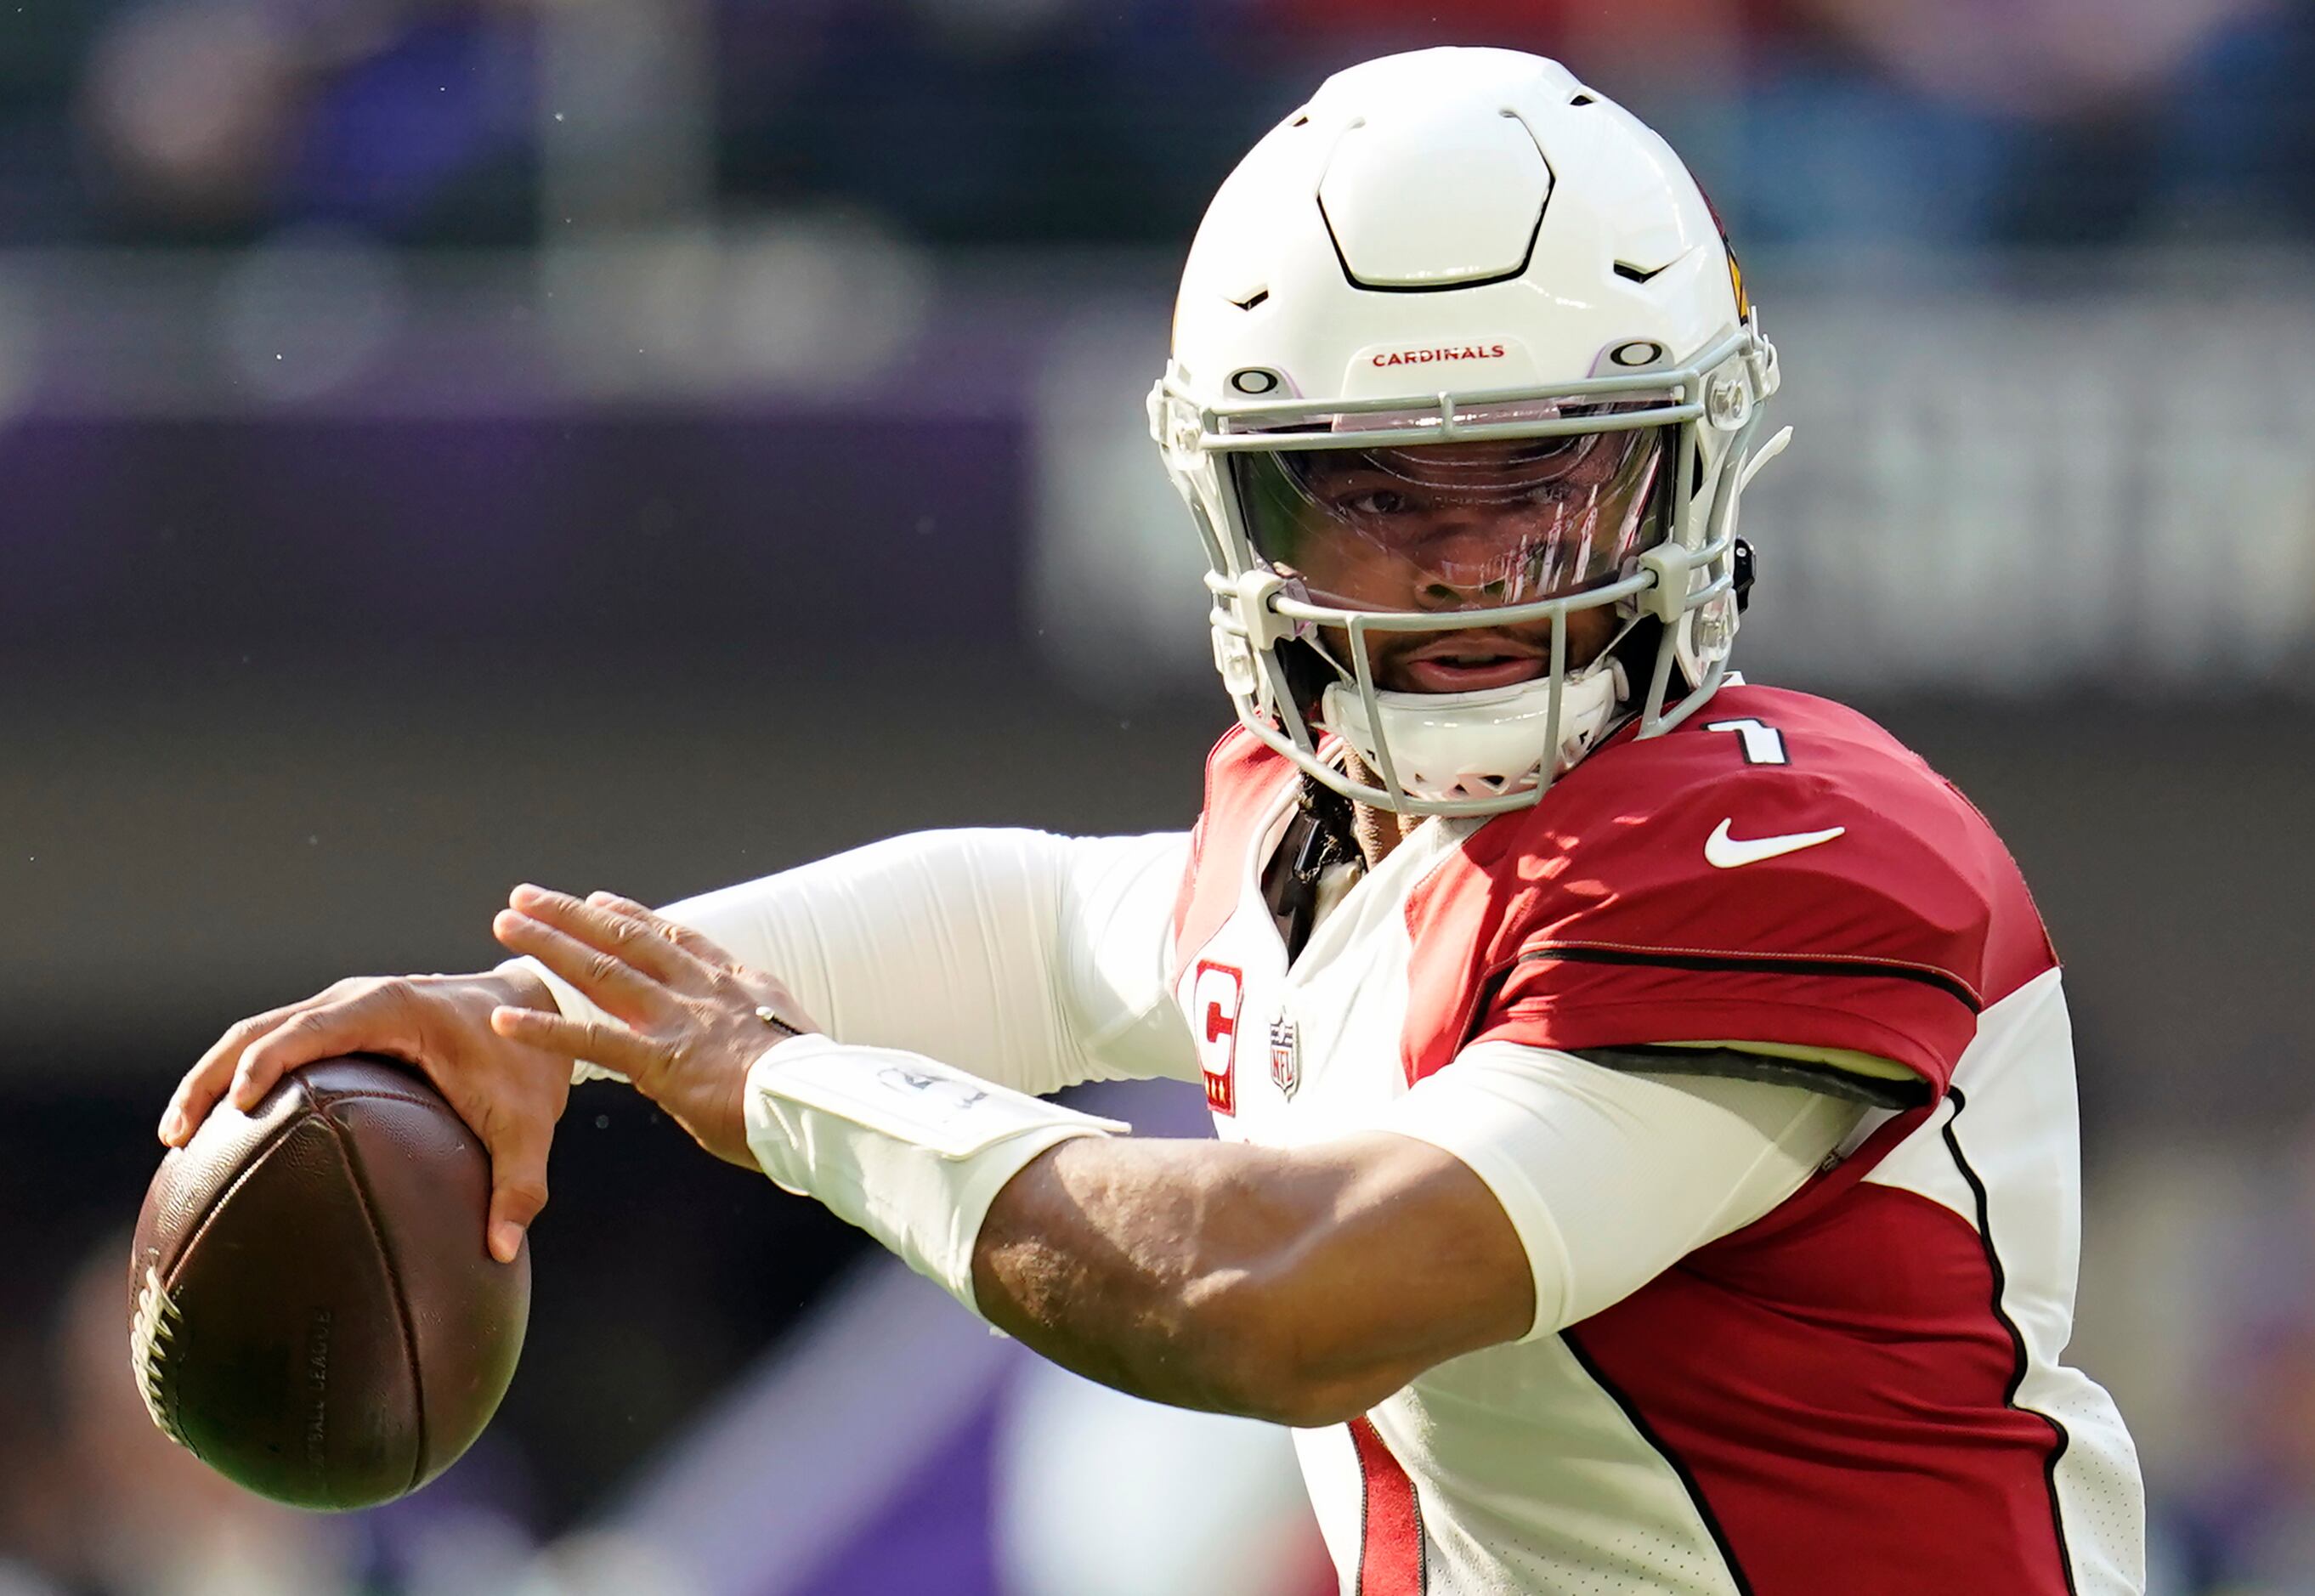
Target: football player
pixel 1646 1152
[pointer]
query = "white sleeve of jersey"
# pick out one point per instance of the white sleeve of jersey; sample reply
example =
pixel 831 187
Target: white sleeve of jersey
pixel 1027 959
pixel 1611 1177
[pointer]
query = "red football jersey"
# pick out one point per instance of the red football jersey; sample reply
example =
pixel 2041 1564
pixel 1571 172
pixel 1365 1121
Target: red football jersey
pixel 1861 1391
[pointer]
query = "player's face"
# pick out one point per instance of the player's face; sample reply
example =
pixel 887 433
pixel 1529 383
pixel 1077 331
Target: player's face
pixel 1445 527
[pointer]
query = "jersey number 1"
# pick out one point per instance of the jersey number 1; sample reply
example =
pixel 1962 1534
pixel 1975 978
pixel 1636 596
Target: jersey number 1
pixel 1763 744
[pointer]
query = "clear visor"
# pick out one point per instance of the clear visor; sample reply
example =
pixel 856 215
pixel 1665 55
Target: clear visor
pixel 1451 526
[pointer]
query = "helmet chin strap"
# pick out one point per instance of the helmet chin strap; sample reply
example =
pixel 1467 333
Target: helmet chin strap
pixel 1448 746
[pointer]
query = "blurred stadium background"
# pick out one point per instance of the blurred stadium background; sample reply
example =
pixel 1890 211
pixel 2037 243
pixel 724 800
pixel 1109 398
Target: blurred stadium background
pixel 646 443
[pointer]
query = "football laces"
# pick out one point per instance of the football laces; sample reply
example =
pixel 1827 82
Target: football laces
pixel 154 1328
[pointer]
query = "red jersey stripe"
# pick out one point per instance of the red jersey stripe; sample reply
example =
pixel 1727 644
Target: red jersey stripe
pixel 1390 1537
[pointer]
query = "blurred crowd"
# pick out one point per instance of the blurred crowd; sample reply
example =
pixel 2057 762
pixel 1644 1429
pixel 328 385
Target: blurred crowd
pixel 1816 122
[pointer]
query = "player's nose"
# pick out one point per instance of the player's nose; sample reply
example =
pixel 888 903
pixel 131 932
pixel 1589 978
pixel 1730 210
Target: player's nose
pixel 1448 593
pixel 1470 559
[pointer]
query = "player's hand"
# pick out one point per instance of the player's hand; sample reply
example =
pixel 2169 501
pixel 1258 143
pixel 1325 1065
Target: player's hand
pixel 690 1018
pixel 508 1093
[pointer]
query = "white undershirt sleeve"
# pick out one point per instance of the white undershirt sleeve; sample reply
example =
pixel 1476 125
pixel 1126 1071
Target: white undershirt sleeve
pixel 1027 959
pixel 1611 1177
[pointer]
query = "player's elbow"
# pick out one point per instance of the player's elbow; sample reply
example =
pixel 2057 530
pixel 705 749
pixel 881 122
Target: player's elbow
pixel 1271 1354
pixel 1309 1399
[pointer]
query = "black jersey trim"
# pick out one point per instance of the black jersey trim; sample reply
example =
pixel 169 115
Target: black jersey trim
pixel 1687 1477
pixel 1811 1075
pixel 2017 1339
pixel 1760 963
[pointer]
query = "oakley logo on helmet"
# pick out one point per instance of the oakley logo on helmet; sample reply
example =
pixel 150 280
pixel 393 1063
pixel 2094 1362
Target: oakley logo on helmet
pixel 1640 351
pixel 1254 379
pixel 1424 357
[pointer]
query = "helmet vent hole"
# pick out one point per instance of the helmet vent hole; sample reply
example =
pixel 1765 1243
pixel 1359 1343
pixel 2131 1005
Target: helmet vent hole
pixel 1253 299
pixel 1302 119
pixel 1638 274
pixel 1583 98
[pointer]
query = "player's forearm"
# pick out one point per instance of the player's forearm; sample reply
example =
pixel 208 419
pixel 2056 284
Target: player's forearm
pixel 1127 1262
pixel 1297 1287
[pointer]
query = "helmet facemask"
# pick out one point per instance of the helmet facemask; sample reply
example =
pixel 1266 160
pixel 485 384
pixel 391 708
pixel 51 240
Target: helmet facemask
pixel 1446 543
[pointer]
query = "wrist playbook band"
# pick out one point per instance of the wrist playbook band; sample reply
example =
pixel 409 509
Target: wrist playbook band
pixel 911 1150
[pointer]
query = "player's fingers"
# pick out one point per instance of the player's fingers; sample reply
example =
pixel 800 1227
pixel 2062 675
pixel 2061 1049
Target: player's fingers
pixel 199 1091
pixel 631 938
pixel 359 1024
pixel 614 1047
pixel 697 943
pixel 517 1181
pixel 602 974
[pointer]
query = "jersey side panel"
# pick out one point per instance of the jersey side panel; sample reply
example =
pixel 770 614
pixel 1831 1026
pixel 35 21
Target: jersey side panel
pixel 1535 1478
pixel 1891 1357
pixel 1839 1406
pixel 2006 1156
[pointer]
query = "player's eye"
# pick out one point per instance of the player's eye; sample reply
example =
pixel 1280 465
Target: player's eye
pixel 1376 502
pixel 1372 496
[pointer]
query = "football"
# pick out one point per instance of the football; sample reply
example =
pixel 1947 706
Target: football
pixel 313 1312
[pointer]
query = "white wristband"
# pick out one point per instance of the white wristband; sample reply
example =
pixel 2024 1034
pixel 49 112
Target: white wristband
pixel 911 1150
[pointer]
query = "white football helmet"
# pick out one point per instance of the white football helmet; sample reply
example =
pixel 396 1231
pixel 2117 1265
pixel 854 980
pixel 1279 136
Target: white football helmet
pixel 1461 351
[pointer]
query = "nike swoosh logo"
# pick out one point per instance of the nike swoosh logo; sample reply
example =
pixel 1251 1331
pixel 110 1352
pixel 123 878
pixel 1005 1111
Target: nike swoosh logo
pixel 1724 852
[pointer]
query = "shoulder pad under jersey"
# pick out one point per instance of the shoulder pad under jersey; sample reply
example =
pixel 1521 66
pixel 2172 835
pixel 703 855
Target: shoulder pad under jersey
pixel 1777 869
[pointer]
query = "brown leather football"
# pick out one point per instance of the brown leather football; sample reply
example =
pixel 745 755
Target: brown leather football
pixel 312 1311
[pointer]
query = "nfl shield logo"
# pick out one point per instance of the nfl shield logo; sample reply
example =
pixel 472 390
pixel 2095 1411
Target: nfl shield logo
pixel 1285 1056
